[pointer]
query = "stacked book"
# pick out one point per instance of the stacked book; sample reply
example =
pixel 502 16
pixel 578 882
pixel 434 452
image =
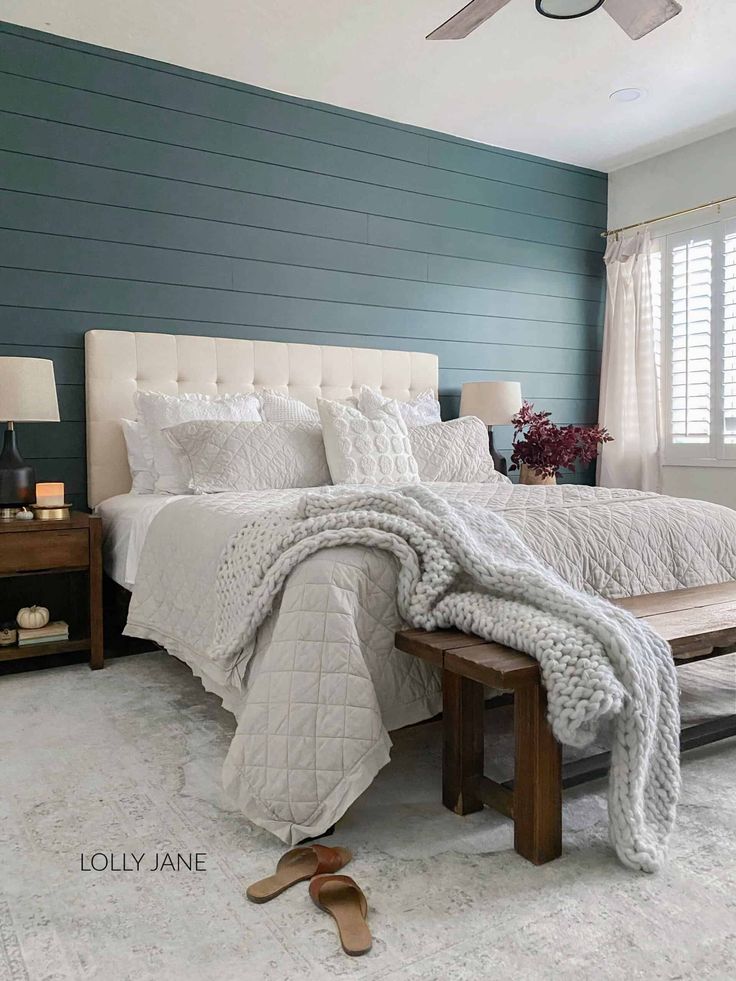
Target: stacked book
pixel 52 633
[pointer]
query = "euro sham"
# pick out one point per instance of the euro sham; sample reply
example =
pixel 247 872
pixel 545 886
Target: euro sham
pixel 157 411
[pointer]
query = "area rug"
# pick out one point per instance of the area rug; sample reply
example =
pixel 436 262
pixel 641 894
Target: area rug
pixel 126 762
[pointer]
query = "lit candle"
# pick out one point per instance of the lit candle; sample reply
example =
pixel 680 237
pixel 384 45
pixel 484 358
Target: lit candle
pixel 50 495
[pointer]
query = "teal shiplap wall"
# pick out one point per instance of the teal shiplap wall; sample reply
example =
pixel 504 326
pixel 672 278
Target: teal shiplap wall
pixel 139 196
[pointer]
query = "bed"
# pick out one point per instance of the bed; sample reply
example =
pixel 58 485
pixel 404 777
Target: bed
pixel 321 685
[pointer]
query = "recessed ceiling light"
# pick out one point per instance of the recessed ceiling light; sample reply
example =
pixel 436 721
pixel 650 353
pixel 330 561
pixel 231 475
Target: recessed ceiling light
pixel 627 95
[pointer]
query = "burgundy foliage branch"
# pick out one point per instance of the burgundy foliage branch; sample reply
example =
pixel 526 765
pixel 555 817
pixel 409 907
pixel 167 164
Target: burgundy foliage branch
pixel 546 447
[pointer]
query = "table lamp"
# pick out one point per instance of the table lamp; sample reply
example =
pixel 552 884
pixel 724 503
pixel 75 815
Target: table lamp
pixel 27 394
pixel 494 403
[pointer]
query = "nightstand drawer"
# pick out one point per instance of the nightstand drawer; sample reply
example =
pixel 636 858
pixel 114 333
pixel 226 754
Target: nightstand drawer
pixel 30 552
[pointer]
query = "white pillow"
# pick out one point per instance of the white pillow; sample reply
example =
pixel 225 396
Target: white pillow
pixel 243 456
pixel 455 451
pixel 364 449
pixel 276 407
pixel 140 456
pixel 157 411
pixel 422 410
pixel 282 408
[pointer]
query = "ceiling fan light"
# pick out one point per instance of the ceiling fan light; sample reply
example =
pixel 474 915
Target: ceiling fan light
pixel 567 9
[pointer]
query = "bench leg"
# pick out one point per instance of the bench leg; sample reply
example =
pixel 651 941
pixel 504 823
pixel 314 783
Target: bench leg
pixel 538 779
pixel 462 750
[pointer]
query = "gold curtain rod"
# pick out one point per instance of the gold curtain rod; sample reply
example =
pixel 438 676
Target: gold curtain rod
pixel 675 214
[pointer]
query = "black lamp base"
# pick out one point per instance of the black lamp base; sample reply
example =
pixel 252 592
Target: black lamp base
pixel 499 462
pixel 17 478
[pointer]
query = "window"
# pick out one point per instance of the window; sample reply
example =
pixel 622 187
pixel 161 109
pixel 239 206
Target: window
pixel 694 311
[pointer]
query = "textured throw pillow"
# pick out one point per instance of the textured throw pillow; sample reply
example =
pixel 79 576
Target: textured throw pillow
pixel 455 451
pixel 243 456
pixel 282 408
pixel 140 457
pixel 276 407
pixel 157 412
pixel 365 449
pixel 422 410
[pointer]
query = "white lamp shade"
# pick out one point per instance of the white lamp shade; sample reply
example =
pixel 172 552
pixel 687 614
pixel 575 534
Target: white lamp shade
pixel 27 390
pixel 493 402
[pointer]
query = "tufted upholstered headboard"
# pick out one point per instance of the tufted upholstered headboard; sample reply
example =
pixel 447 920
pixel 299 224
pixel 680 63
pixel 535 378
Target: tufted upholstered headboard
pixel 118 363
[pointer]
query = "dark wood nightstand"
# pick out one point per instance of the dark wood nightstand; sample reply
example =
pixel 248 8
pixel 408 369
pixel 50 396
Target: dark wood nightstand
pixel 56 564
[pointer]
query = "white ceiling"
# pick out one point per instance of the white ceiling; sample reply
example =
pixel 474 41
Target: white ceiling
pixel 520 81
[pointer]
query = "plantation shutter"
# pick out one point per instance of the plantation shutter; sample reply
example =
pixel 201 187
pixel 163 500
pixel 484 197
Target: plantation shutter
pixel 691 339
pixel 729 344
pixel 655 278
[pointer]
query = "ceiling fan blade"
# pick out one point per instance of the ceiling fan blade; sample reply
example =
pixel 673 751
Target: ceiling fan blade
pixel 639 17
pixel 466 20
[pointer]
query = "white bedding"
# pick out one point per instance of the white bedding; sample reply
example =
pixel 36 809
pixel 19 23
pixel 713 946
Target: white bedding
pixel 126 519
pixel 339 606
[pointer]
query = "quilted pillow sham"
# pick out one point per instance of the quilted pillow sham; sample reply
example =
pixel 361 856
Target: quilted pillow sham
pixel 367 449
pixel 422 410
pixel 243 456
pixel 454 452
pixel 157 412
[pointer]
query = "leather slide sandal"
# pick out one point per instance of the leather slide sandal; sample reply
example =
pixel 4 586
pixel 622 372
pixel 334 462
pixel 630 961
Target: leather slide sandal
pixel 343 899
pixel 298 865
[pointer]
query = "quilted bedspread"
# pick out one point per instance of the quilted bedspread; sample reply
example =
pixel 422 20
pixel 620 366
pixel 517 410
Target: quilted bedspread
pixel 334 621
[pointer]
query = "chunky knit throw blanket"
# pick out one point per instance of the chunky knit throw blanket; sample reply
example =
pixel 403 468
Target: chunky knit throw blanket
pixel 464 567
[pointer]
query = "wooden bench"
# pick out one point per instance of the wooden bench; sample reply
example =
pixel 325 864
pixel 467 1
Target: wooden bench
pixel 698 623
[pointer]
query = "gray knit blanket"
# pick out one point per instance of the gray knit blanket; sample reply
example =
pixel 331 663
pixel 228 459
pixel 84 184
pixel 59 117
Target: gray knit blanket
pixel 465 567
pixel 459 566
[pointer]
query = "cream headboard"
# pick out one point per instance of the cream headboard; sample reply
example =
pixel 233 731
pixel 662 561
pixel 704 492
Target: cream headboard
pixel 118 363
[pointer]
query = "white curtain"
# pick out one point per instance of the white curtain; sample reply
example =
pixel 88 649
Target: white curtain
pixel 629 401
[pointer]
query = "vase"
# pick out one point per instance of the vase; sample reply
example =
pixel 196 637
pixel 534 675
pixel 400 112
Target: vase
pixel 529 476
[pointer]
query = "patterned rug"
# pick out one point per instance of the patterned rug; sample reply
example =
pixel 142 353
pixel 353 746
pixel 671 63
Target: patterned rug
pixel 127 762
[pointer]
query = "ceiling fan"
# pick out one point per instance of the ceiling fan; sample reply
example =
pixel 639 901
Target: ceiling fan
pixel 636 17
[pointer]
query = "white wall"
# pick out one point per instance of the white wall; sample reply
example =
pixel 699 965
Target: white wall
pixel 684 178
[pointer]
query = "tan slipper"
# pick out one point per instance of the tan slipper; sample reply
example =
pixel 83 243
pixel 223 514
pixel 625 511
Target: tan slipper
pixel 298 865
pixel 343 899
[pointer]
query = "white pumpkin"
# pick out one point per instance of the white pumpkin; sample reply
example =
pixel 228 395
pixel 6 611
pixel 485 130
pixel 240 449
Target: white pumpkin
pixel 31 617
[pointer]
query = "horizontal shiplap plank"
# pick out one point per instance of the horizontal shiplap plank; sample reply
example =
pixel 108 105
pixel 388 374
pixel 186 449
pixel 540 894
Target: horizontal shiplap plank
pixel 80 182
pixel 57 440
pixel 469 159
pixel 256 108
pixel 35 325
pixel 466 358
pixel 34 212
pixel 483 245
pixel 71 402
pixel 23 250
pixel 79 219
pixel 71 471
pixel 121 116
pixel 185 166
pixel 518 279
pixel 184 303
pixel 536 382
pixel 212 98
